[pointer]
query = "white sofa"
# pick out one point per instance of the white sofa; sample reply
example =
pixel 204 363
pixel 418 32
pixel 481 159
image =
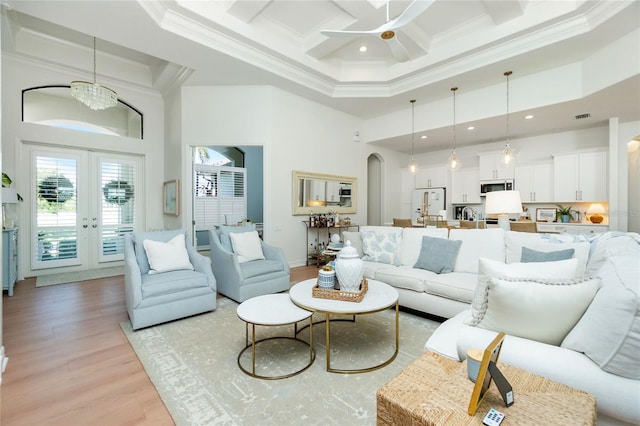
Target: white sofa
pixel 450 295
pixel 443 295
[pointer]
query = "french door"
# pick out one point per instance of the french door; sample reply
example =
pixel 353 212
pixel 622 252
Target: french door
pixel 82 205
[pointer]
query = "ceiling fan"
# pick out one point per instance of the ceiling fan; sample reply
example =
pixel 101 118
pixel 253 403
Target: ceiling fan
pixel 388 30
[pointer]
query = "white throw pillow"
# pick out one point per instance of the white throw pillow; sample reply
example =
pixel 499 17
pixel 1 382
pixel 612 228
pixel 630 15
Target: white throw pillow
pixel 515 242
pixel 169 256
pixel 488 268
pixel 609 331
pixel 540 310
pixel 247 246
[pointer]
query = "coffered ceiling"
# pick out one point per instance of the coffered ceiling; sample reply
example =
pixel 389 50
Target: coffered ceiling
pixel 466 43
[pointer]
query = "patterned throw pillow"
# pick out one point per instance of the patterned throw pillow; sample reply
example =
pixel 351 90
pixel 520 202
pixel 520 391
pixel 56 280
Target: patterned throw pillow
pixel 381 248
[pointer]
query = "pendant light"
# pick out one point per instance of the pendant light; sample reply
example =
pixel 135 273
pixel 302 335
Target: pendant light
pixel 507 157
pixel 413 167
pixel 91 94
pixel 453 163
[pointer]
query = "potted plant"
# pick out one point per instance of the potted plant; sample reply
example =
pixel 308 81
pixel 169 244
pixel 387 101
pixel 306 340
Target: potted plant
pixel 564 214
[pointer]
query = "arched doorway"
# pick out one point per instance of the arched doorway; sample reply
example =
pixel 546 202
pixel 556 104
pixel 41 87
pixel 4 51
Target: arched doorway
pixel 374 190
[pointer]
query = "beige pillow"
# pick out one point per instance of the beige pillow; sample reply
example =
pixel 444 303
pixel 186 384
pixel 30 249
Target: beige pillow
pixel 540 310
pixel 488 268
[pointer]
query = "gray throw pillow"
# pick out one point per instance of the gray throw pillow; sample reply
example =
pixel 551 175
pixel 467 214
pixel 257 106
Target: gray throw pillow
pixel 529 255
pixel 438 255
pixel 225 230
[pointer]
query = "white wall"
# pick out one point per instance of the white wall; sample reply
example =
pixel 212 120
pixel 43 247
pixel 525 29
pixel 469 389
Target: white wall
pixel 297 134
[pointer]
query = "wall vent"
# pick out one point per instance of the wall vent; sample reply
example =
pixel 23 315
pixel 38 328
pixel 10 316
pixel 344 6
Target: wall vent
pixel 582 116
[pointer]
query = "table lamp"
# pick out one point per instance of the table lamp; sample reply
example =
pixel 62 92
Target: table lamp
pixel 9 196
pixel 503 203
pixel 596 211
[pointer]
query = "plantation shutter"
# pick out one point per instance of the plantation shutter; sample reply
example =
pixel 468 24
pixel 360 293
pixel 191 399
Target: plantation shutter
pixel 220 192
pixel 117 206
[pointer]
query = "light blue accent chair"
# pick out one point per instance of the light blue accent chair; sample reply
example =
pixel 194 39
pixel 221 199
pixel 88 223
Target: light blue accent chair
pixel 242 281
pixel 157 298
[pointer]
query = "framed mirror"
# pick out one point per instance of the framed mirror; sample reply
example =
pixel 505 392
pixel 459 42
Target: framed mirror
pixel 319 193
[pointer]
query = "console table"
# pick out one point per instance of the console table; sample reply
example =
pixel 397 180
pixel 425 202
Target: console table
pixel 9 259
pixel 315 255
pixel 435 390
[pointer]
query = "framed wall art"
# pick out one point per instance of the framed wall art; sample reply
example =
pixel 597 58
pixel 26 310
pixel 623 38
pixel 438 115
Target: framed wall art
pixel 545 215
pixel 171 197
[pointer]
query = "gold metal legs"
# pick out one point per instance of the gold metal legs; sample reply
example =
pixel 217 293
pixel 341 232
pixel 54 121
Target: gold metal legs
pixel 360 370
pixel 254 343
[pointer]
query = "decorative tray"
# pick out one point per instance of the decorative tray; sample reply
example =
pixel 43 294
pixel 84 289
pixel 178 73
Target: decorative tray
pixel 348 296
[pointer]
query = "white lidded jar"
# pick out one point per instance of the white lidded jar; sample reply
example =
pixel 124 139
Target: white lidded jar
pixel 349 268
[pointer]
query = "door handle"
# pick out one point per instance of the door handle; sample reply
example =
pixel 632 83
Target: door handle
pixel 94 226
pixel 85 226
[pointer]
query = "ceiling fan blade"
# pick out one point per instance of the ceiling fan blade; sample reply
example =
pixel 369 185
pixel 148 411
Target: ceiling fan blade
pixel 398 50
pixel 348 33
pixel 410 13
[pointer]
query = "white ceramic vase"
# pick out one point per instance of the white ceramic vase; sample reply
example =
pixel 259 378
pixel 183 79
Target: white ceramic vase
pixel 349 268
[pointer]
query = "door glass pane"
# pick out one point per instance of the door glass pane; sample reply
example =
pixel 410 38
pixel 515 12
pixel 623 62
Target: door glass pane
pixel 117 206
pixel 56 209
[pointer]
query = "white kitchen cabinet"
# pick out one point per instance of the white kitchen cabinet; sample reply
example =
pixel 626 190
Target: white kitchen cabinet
pixel 465 187
pixel 570 228
pixel 580 177
pixel 431 177
pixel 491 167
pixel 535 183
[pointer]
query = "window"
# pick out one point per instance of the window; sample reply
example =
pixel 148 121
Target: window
pixel 53 106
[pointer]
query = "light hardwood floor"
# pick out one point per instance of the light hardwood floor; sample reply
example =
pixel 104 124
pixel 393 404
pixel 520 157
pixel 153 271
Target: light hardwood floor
pixel 69 361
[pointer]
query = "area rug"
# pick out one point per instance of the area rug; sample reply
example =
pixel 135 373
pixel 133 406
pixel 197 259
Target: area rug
pixel 72 277
pixel 193 365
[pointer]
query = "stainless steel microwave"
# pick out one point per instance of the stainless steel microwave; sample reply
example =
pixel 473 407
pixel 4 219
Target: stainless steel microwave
pixel 495 185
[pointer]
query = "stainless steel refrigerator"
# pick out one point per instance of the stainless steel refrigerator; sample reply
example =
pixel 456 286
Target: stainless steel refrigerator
pixel 428 201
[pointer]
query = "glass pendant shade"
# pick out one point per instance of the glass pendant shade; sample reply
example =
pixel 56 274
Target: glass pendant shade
pixel 507 156
pixel 93 95
pixel 413 166
pixel 453 163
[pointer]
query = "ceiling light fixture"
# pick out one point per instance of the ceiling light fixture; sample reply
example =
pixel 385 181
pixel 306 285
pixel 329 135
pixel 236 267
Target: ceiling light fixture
pixel 507 157
pixel 528 117
pixel 363 48
pixel 93 95
pixel 412 161
pixel 453 163
pixel 423 137
pixel 633 144
pixel 471 128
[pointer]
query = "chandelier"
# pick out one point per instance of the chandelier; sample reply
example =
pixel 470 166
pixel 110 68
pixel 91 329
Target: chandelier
pixel 453 163
pixel 93 95
pixel 413 166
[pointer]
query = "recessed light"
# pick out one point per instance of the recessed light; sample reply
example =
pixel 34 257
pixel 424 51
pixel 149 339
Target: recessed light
pixel 528 117
pixel 423 137
pixel 363 48
pixel 470 127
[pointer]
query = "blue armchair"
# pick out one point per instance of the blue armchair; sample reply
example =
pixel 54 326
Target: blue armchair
pixel 156 298
pixel 242 281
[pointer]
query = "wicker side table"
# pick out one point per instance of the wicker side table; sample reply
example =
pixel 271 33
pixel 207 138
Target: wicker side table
pixel 434 390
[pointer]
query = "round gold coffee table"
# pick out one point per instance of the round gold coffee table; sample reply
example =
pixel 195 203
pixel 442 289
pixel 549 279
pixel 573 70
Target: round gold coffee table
pixel 379 297
pixel 272 310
